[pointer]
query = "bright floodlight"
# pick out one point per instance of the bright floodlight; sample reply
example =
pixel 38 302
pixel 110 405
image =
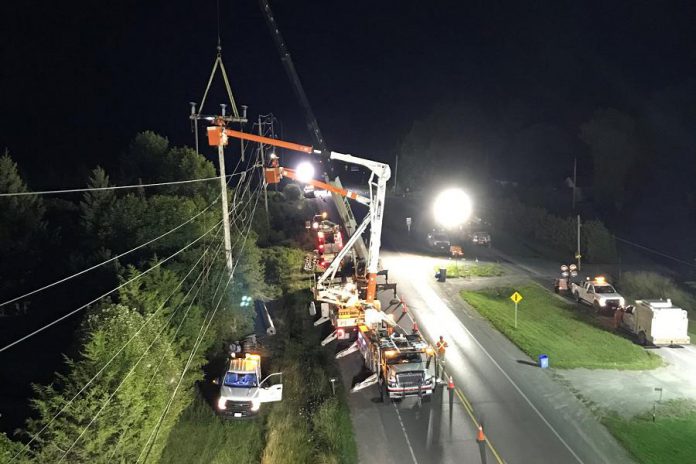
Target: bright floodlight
pixel 452 208
pixel 304 172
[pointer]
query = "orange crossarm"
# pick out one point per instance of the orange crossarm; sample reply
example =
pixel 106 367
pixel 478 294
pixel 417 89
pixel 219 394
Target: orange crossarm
pixel 277 173
pixel 215 139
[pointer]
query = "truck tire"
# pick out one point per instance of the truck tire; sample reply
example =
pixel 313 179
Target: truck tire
pixel 577 296
pixel 597 307
pixel 642 339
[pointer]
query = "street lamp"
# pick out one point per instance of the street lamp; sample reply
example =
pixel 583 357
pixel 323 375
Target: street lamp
pixel 452 208
pixel 304 172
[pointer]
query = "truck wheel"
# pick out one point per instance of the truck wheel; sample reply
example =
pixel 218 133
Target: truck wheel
pixel 426 398
pixel 577 297
pixel 642 339
pixel 597 307
pixel 555 289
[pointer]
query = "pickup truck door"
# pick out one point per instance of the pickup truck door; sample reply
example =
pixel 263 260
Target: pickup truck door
pixel 268 393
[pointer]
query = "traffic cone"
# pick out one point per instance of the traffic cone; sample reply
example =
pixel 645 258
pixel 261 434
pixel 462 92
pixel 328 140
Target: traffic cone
pixel 450 384
pixel 480 437
pixel 415 327
pixel 404 309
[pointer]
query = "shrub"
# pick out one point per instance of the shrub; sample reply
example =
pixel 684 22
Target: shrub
pixel 643 284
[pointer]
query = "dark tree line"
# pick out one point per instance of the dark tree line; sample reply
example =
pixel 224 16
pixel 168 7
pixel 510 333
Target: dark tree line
pixel 150 326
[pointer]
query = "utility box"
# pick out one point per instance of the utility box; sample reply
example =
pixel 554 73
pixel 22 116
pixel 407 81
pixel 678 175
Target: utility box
pixel 543 361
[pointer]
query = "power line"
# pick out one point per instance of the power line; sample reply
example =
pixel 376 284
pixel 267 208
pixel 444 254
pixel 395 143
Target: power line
pixel 659 253
pixel 114 258
pixel 132 369
pixel 202 332
pixel 75 311
pixel 112 187
pixel 139 330
pixel 120 350
pixel 84 271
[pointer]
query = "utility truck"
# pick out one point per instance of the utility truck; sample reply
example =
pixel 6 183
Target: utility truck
pixel 598 293
pixel 439 241
pixel 402 364
pixel 656 322
pixel 243 389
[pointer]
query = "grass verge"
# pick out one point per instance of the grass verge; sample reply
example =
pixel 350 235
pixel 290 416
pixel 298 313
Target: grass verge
pixel 201 436
pixel 472 270
pixel 668 440
pixel 310 424
pixel 548 325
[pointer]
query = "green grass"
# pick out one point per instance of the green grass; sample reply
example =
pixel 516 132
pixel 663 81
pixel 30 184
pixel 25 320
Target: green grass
pixel 548 325
pixel 465 269
pixel 201 436
pixel 671 439
pixel 310 424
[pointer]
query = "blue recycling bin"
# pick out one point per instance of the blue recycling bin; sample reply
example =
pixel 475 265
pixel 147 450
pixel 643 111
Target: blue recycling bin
pixel 543 361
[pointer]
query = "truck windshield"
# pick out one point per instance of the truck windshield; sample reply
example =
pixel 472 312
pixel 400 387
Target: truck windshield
pixel 604 289
pixel 403 358
pixel 440 238
pixel 239 380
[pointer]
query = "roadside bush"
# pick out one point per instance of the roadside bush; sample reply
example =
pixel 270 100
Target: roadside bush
pixel 557 233
pixel 643 284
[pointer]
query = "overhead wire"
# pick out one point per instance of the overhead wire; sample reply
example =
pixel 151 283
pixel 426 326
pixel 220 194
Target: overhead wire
pixel 75 311
pixel 656 252
pixel 84 387
pixel 202 332
pixel 234 207
pixel 242 174
pixel 113 357
pixel 113 258
pixel 111 187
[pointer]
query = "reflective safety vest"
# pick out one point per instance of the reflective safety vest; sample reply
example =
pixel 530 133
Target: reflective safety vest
pixel 441 345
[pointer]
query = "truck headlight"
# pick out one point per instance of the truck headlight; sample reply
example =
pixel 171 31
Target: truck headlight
pixel 255 405
pixel 222 403
pixel 622 302
pixel 602 302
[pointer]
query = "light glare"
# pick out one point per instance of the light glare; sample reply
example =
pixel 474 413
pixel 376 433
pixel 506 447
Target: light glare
pixel 452 208
pixel 304 172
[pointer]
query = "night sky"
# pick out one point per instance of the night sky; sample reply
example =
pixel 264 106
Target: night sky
pixel 79 79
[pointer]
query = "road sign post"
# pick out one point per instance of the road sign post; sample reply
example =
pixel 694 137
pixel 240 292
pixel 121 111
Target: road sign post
pixel 516 298
pixel 408 224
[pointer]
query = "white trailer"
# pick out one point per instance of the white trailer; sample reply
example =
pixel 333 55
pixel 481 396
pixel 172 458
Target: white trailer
pixel 657 322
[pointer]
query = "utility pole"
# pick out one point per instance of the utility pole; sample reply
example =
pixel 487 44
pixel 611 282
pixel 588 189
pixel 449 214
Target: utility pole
pixel 396 169
pixel 225 208
pixel 575 178
pixel 263 166
pixel 578 256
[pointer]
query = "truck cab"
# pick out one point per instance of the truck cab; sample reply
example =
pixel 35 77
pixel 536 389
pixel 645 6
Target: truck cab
pixel 243 390
pixel 598 293
pixel 439 241
pixel 656 322
pixel 481 238
pixel 401 364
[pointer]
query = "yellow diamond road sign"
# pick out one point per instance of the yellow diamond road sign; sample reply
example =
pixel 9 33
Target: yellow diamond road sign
pixel 516 297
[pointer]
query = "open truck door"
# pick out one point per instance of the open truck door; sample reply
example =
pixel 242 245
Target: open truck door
pixel 271 393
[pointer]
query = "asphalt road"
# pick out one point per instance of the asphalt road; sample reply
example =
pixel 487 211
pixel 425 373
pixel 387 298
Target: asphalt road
pixel 527 416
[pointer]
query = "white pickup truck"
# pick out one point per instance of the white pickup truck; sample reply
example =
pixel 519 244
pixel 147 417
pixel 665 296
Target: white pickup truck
pixel 597 293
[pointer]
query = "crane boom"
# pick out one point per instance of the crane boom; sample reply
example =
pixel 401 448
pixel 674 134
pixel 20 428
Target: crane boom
pixel 342 205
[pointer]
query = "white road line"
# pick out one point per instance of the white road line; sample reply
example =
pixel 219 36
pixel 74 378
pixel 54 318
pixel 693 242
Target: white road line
pixel 431 297
pixel 403 429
